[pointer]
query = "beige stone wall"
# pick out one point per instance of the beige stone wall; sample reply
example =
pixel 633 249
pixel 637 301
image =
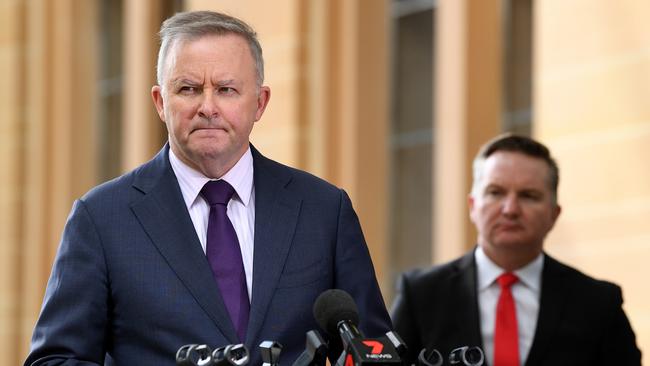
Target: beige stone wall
pixel 143 133
pixel 47 106
pixel 10 172
pixel 469 103
pixel 592 87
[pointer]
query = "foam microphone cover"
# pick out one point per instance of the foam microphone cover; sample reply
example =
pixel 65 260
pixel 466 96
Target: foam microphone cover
pixel 333 306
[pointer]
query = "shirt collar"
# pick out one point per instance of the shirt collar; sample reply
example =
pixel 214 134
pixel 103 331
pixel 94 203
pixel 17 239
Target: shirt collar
pixel 191 181
pixel 488 271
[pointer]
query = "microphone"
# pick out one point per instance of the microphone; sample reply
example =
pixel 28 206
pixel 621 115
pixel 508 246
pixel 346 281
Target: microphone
pixel 202 355
pixel 315 352
pixel 270 351
pixel 236 354
pixel 336 312
pixel 432 358
pixel 193 355
pixel 467 356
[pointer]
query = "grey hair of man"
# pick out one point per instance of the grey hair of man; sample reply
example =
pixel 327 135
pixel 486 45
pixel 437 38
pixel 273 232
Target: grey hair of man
pixel 520 144
pixel 189 26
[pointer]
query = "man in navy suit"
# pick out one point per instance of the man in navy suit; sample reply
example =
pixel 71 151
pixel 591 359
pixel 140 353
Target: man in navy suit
pixel 558 315
pixel 131 282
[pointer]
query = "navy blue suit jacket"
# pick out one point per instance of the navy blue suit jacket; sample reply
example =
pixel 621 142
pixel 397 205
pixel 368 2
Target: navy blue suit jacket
pixel 580 321
pixel 131 284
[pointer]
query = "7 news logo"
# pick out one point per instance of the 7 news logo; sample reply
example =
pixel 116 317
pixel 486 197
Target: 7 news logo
pixel 366 352
pixel 376 350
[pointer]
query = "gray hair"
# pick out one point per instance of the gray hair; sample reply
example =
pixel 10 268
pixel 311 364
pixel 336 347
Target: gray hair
pixel 189 26
pixel 521 144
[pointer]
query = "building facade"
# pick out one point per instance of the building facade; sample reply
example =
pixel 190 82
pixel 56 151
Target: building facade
pixel 388 99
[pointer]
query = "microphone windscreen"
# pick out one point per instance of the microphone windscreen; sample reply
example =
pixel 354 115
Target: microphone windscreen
pixel 333 306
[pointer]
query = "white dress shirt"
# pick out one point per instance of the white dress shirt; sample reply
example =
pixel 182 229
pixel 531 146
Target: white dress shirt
pixel 526 293
pixel 241 208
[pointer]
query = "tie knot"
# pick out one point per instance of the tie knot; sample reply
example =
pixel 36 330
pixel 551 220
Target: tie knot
pixel 507 279
pixel 217 192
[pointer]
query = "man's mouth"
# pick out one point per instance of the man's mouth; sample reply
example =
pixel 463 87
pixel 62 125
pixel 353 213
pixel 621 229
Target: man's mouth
pixel 509 227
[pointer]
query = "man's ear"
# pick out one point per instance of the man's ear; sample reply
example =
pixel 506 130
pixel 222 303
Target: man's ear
pixel 158 102
pixel 262 101
pixel 470 205
pixel 556 213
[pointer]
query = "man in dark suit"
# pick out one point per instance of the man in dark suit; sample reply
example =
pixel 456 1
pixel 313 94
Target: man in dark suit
pixel 507 296
pixel 149 262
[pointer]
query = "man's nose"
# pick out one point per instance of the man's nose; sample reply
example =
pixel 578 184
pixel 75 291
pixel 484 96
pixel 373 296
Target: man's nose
pixel 209 107
pixel 511 205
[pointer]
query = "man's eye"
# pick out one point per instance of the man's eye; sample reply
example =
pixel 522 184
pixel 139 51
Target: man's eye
pixel 493 192
pixel 226 90
pixel 188 89
pixel 533 196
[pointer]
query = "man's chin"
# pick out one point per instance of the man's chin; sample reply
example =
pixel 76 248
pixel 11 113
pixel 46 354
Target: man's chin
pixel 509 242
pixel 220 152
pixel 209 147
pixel 212 152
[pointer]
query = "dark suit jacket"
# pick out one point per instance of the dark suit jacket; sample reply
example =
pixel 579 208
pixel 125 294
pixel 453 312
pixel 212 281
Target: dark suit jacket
pixel 581 321
pixel 131 284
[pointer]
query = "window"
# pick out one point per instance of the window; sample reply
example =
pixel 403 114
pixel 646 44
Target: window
pixel 411 134
pixel 518 45
pixel 110 90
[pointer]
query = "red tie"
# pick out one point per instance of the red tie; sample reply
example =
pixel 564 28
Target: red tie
pixel 506 339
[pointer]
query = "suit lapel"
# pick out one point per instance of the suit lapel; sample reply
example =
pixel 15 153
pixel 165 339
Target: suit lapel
pixel 551 305
pixel 276 215
pixel 467 302
pixel 163 215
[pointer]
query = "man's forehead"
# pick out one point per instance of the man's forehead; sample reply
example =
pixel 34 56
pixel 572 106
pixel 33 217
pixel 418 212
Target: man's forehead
pixel 182 42
pixel 509 166
pixel 179 55
pixel 515 159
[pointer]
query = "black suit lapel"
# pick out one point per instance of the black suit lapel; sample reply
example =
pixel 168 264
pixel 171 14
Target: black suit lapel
pixel 551 305
pixel 453 319
pixel 276 216
pixel 163 215
pixel 467 302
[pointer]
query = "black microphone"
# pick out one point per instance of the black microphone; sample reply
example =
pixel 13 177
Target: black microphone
pixel 336 312
pixel 315 353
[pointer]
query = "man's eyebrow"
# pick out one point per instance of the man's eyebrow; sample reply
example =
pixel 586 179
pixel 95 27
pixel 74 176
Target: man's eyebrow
pixel 532 190
pixel 225 82
pixel 183 80
pixel 493 185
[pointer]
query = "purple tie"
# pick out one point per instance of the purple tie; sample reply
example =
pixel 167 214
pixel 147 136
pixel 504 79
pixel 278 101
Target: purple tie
pixel 224 255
